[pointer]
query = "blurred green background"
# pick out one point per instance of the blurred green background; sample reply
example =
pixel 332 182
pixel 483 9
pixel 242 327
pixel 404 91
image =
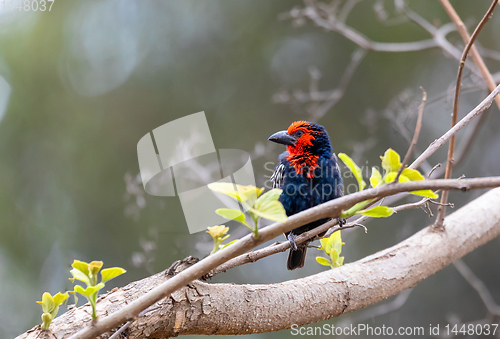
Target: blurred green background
pixel 81 84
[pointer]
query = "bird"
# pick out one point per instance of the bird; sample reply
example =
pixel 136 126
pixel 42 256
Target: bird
pixel 308 175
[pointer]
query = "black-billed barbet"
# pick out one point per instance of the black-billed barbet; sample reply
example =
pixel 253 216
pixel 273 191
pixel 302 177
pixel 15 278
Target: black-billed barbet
pixel 308 174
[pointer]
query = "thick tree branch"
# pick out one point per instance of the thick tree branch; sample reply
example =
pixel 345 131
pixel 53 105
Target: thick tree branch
pixel 202 308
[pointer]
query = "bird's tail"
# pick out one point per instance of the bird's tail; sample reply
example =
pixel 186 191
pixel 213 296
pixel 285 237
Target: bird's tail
pixel 297 258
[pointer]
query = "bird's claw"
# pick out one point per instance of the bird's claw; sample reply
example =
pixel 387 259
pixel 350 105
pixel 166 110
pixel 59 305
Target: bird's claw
pixel 291 239
pixel 341 221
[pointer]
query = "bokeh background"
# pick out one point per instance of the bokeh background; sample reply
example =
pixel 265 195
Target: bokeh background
pixel 81 84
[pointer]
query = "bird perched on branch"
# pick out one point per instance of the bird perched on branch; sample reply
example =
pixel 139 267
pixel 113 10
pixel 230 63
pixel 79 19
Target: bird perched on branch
pixel 308 174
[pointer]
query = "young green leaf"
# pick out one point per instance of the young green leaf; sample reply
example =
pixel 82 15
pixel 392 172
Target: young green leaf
pixel 389 177
pixel 79 275
pixel 412 174
pixel 95 266
pixel 376 177
pixel 326 245
pixel 323 261
pixel 110 273
pixel 238 192
pixel 377 212
pixel 268 206
pixel 336 241
pixel 48 304
pixel 334 256
pixel 426 193
pixel 232 214
pixel 89 290
pixel 391 161
pixel 60 298
pixel 269 196
pixel 81 266
pixel 355 170
pixel 273 211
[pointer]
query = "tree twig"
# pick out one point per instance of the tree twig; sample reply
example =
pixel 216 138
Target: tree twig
pixel 436 144
pixel 416 133
pixel 476 283
pixel 451 147
pixel 476 57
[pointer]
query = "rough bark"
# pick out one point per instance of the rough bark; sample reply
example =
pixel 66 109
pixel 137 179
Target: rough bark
pixel 203 308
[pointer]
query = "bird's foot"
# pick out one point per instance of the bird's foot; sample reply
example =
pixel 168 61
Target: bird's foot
pixel 341 221
pixel 291 238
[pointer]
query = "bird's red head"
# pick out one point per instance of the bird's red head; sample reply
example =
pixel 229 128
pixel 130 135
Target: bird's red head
pixel 305 142
pixel 304 135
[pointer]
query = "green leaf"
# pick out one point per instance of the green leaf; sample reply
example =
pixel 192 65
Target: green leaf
pixel 231 214
pixel 48 304
pixel 323 261
pixel 336 241
pixel 79 275
pixel 95 266
pixel 60 298
pixel 412 174
pixel 89 290
pixel 326 245
pixel 273 211
pixel 81 266
pixel 377 212
pixel 238 192
pixel 268 197
pixel 391 161
pixel 376 177
pixel 389 177
pixel 334 256
pixel 355 170
pixel 426 193
pixel 110 273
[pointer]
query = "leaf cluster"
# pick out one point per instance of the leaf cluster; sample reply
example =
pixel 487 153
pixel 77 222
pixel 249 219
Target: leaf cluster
pixel 253 202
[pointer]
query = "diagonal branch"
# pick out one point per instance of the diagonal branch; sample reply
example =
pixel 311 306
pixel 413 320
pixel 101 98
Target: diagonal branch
pixel 476 57
pixel 436 144
pixel 416 133
pixel 451 147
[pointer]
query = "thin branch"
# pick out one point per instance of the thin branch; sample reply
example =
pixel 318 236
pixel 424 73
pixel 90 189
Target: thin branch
pixel 451 147
pixel 476 57
pixel 274 248
pixel 412 205
pixel 414 140
pixel 481 289
pixel 436 144
pixel 337 94
pixel 256 255
pixel 331 23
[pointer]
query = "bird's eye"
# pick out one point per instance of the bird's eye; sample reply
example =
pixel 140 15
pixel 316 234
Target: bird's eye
pixel 299 133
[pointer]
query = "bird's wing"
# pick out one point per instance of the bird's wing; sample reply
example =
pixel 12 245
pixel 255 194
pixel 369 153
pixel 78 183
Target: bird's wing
pixel 340 187
pixel 279 172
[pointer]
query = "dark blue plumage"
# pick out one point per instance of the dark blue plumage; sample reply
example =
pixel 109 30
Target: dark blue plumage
pixel 308 174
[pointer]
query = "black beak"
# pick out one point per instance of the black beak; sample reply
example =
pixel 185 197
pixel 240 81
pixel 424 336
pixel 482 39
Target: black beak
pixel 282 137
